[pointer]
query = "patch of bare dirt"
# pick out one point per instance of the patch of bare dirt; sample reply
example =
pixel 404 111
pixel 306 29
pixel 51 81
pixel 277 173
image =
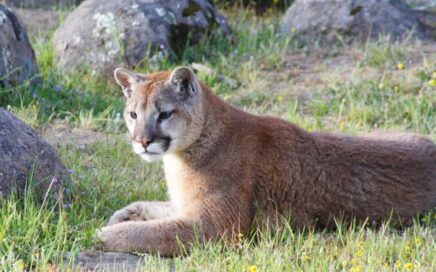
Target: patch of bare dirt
pixel 315 70
pixel 39 21
pixel 63 135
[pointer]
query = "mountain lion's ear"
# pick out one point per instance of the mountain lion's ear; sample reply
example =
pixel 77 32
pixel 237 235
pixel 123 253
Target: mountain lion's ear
pixel 126 78
pixel 185 82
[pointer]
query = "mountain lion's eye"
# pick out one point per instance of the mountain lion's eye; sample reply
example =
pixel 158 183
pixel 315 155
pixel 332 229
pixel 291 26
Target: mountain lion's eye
pixel 165 115
pixel 133 115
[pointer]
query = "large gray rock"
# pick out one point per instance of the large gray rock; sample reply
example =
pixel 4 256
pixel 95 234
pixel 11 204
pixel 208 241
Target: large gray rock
pixel 102 34
pixel 24 153
pixel 46 4
pixel 17 58
pixel 353 18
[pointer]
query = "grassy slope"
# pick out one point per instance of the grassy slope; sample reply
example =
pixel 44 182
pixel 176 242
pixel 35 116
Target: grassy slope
pixel 364 93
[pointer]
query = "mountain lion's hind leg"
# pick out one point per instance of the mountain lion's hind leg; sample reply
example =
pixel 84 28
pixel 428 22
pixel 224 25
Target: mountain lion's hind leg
pixel 142 211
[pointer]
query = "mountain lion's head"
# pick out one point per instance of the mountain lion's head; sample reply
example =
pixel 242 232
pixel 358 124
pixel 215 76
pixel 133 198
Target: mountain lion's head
pixel 163 111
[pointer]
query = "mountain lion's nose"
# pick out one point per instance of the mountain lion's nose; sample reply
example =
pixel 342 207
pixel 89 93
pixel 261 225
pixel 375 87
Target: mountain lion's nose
pixel 144 142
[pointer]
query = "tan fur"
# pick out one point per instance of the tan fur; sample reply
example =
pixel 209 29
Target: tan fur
pixel 232 165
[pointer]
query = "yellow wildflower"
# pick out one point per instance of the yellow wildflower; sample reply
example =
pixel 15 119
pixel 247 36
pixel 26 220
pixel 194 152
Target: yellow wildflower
pixel 240 238
pixel 408 266
pixel 353 261
pixel 417 242
pixel 358 268
pixel 359 253
pixel 252 268
pixel 342 126
pixel 344 263
pixel 336 252
pixel 407 248
pixel 360 244
pixel 20 265
pixel 432 82
pixel 398 264
pixel 307 258
pixel 400 66
pixel 35 255
pixel 293 30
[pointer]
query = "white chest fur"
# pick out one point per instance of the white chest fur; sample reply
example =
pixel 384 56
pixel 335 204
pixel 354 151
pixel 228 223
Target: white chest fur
pixel 174 174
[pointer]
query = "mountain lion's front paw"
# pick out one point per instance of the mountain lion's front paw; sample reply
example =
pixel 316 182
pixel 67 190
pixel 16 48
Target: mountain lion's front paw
pixel 132 212
pixel 111 239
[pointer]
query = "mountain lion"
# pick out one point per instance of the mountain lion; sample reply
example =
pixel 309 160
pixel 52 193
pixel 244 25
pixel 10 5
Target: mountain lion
pixel 224 166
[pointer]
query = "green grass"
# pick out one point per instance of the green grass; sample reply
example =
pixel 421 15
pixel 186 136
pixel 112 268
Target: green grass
pixel 374 95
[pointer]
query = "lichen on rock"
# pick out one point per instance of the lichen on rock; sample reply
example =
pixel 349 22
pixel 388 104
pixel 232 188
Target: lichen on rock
pixel 105 24
pixel 3 17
